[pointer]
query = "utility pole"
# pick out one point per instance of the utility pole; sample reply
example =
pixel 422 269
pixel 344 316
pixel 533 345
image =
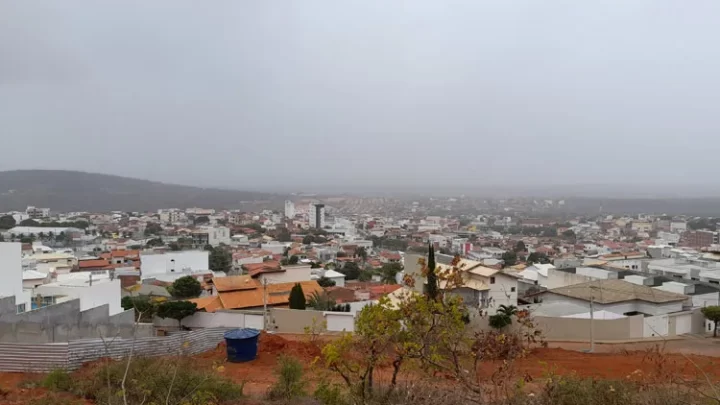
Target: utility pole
pixel 592 324
pixel 265 309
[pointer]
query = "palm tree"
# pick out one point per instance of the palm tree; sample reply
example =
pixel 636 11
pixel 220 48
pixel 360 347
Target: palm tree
pixel 507 310
pixel 41 235
pixel 12 237
pixel 51 235
pixel 320 301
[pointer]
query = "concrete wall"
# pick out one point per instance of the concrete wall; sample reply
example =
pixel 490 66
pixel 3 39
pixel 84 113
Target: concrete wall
pixel 220 319
pixel 294 321
pixel 557 279
pixel 579 329
pixel 11 284
pixel 64 322
pixel 617 308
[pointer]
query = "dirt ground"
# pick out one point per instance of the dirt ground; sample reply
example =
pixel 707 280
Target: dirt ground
pixel 686 357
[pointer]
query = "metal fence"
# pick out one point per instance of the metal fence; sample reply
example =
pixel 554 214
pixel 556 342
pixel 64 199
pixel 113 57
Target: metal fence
pixel 72 355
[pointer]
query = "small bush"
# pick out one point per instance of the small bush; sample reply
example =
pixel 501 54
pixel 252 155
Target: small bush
pixel 57 380
pixel 53 398
pixel 290 383
pixel 330 394
pixel 150 379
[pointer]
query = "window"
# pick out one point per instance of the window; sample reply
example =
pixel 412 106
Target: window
pixel 21 308
pixel 714 282
pixel 512 289
pixel 492 280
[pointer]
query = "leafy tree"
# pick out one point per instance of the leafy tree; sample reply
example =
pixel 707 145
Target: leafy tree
pixel 569 234
pixel 326 282
pixel 308 239
pixel 284 236
pixel 293 259
pixel 510 258
pixel 143 305
pixel 155 242
pixel 26 240
pixel 364 275
pixel 503 317
pixel 550 232
pixel 321 301
pixel 185 287
pixel 7 222
pixel 29 222
pixel 536 257
pixel 297 297
pixel 174 246
pixel 202 219
pixel 41 235
pixel 389 272
pixel 350 270
pixel 2 238
pixel 520 246
pixel 177 310
pixel 220 259
pixel 153 228
pixel 361 253
pixel 712 313
pixel 315 265
pixel 432 288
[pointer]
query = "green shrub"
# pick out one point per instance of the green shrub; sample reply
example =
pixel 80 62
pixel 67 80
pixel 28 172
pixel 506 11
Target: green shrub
pixel 57 380
pixel 330 394
pixel 150 379
pixel 290 383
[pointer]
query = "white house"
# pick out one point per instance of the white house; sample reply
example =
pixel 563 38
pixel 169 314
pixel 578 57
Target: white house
pixel 537 273
pixel 336 276
pixel 93 290
pixel 484 288
pixel 158 264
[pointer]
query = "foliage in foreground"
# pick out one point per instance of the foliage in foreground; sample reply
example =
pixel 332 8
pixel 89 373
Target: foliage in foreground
pixel 155 380
pixel 290 384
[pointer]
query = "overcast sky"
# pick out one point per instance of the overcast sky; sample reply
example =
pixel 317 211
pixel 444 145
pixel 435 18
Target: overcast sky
pixel 373 94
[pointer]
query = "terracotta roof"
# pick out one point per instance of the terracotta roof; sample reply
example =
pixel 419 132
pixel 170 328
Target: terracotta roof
pixel 381 290
pixel 209 304
pixel 277 294
pixel 341 294
pixel 255 269
pixel 234 283
pixel 94 263
pixel 121 253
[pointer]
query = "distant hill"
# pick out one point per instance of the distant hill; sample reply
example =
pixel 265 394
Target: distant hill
pixel 62 190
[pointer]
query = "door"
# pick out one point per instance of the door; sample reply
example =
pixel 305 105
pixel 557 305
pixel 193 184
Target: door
pixel 683 324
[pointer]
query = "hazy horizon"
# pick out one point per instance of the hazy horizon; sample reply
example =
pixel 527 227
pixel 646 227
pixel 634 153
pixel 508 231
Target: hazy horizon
pixel 367 95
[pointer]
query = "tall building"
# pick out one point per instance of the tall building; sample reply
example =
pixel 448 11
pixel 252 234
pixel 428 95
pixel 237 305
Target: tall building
pixel 289 209
pixel 316 216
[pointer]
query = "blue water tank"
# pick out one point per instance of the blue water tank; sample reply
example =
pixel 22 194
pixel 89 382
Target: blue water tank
pixel 242 344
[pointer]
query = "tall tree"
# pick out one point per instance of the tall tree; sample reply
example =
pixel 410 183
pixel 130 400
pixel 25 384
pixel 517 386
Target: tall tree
pixel 185 287
pixel 520 246
pixel 7 222
pixel 297 297
pixel 220 259
pixel 510 258
pixel 712 313
pixel 177 310
pixel 431 276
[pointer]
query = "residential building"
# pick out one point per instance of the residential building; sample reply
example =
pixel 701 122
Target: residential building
pixel 244 292
pixel 494 252
pixel 37 213
pixel 484 288
pixel 335 276
pixel 93 290
pixel 621 298
pixel 271 272
pixel 172 265
pixel 678 227
pixel 172 216
pixel 537 273
pixel 289 209
pixel 699 238
pixel 213 236
pixel 316 216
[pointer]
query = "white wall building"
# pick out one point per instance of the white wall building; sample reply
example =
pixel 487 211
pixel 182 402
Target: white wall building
pixel 289 209
pixel 93 290
pixel 678 227
pixel 11 279
pixel 155 264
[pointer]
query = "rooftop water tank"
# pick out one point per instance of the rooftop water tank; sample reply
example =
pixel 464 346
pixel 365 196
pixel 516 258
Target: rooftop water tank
pixel 242 344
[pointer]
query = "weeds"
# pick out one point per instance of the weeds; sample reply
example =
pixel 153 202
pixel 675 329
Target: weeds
pixel 57 380
pixel 290 383
pixel 53 398
pixel 148 381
